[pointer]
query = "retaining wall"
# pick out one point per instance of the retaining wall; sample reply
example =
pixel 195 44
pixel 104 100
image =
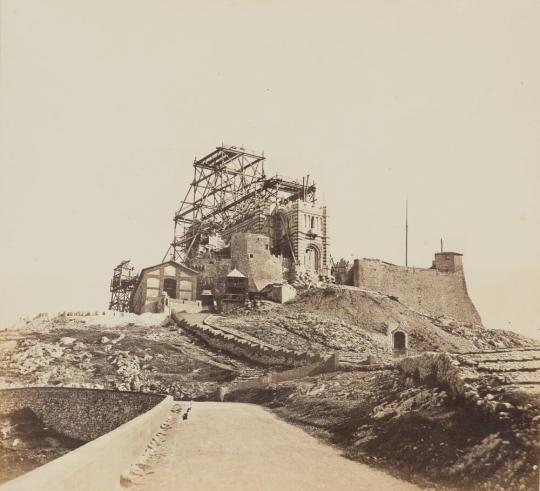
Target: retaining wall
pixel 98 464
pixel 445 370
pixel 327 366
pixel 84 414
pixel 245 346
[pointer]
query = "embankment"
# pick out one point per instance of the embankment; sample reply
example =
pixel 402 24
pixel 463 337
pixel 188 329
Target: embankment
pixel 99 463
pixel 84 414
pixel 244 346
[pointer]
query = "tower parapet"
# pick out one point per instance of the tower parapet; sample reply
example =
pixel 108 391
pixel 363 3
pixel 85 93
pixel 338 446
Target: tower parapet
pixel 448 262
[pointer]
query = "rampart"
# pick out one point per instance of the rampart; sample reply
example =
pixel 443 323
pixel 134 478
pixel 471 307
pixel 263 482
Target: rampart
pixel 245 346
pixel 133 417
pixel 426 290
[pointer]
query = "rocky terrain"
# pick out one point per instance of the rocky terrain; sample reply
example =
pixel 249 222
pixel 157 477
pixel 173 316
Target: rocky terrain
pixel 356 323
pixel 124 352
pixel 464 419
pixel 418 431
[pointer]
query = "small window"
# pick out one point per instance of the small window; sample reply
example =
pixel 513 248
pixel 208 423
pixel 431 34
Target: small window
pixel 312 222
pixel 251 255
pixel 266 246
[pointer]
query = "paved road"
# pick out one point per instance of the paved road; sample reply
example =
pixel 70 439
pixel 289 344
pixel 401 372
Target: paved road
pixel 230 446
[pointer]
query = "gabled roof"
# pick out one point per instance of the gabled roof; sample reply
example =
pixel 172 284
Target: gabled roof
pixel 235 274
pixel 174 263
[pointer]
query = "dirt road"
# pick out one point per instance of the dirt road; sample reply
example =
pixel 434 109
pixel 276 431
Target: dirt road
pixel 230 446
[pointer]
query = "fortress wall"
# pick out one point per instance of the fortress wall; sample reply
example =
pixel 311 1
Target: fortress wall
pixel 427 290
pixel 245 346
pixel 84 414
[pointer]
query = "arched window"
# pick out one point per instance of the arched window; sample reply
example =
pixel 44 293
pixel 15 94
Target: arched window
pixel 169 286
pixel 400 340
pixel 311 259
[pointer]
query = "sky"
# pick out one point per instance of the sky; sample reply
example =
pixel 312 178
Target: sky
pixel 104 104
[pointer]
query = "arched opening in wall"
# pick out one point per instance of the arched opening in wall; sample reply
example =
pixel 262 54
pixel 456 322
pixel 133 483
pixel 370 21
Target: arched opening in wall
pixel 399 340
pixel 169 286
pixel 311 259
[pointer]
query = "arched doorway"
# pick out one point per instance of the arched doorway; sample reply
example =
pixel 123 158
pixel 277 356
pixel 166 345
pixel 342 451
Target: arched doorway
pixel 169 286
pixel 311 259
pixel 399 340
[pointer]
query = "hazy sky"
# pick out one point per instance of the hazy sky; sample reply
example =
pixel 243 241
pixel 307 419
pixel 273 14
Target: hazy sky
pixel 105 103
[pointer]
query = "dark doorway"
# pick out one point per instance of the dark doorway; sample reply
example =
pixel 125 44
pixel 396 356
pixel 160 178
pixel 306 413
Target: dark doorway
pixel 169 286
pixel 400 341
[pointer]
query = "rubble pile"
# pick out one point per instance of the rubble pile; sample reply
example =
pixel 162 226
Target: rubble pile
pixel 129 371
pixel 305 278
pixel 32 356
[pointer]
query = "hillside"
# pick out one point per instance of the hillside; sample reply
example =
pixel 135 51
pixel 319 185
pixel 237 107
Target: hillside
pixel 355 322
pixel 150 352
pixel 124 352
pixel 408 424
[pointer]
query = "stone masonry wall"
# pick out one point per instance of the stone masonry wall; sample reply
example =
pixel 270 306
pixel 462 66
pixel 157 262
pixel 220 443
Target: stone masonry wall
pixel 426 290
pixel 491 381
pixel 327 366
pixel 250 254
pixel 212 273
pixel 84 414
pixel 294 215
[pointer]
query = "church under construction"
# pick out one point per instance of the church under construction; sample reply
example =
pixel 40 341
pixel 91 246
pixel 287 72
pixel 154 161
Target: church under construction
pixel 240 234
pixel 234 217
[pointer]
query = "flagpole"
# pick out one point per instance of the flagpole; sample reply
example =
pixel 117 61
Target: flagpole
pixel 407 230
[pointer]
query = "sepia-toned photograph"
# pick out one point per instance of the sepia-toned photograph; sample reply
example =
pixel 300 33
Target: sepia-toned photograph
pixel 256 245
